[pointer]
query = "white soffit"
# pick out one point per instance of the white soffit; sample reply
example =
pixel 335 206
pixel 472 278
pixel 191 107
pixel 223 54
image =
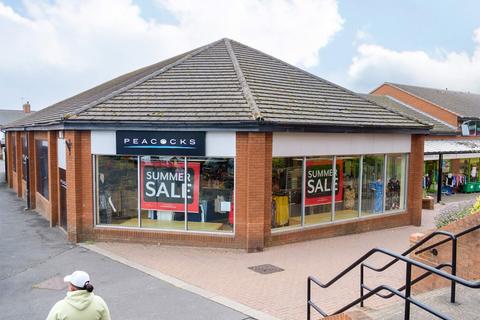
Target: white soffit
pixel 452 156
pixel 452 146
pixel 217 144
pixel 287 144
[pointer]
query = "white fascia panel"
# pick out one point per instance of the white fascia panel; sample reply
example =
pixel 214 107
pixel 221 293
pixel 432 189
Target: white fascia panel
pixel 103 142
pixel 62 154
pixel 287 144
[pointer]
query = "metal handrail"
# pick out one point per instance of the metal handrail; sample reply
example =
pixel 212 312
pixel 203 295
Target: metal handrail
pixel 414 281
pixel 409 263
pixel 458 235
pixel 415 246
pixel 450 237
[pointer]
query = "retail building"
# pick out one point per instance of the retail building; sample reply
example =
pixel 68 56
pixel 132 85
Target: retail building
pixel 221 146
pixel 452 150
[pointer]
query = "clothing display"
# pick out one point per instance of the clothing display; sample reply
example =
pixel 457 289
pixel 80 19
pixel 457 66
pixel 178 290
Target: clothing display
pixel 377 188
pixel 393 194
pixel 280 210
pixel 349 201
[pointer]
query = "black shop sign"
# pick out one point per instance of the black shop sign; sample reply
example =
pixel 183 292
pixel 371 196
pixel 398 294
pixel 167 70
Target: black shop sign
pixel 167 143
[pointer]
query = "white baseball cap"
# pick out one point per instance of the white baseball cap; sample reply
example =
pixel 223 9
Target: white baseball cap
pixel 78 278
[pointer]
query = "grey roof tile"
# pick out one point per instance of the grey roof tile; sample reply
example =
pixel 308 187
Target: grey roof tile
pixel 464 104
pixel 439 127
pixel 224 81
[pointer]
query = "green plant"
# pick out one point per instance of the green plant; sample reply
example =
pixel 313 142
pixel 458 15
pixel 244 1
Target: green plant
pixel 476 206
pixel 454 212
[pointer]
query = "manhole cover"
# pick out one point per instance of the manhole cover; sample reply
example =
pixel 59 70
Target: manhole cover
pixel 265 268
pixel 55 283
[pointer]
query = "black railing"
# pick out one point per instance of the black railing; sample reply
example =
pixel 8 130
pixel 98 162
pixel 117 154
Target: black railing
pixel 408 278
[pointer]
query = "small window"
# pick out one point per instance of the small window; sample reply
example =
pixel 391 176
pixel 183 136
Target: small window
pixel 42 167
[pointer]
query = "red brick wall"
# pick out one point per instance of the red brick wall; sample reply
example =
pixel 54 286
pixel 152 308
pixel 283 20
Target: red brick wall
pixel 468 256
pixel 418 103
pixel 53 177
pixel 415 173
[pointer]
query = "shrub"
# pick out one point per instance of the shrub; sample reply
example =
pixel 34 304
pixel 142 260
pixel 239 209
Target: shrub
pixel 455 211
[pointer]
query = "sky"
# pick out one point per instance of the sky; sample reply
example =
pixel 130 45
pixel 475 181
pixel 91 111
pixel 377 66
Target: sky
pixel 53 49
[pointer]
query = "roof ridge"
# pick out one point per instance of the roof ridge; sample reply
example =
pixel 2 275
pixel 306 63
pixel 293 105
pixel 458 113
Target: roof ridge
pixel 145 78
pixel 446 90
pixel 319 78
pixel 256 113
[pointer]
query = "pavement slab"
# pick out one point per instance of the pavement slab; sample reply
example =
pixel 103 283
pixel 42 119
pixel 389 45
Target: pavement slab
pixel 33 257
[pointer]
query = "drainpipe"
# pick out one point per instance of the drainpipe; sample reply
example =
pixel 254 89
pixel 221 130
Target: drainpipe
pixel 439 179
pixel 27 174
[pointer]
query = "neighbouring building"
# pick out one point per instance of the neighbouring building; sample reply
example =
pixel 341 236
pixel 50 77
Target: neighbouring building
pixel 221 146
pixel 452 150
pixel 7 116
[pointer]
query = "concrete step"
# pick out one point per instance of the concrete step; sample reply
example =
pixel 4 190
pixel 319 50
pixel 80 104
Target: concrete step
pixel 467 307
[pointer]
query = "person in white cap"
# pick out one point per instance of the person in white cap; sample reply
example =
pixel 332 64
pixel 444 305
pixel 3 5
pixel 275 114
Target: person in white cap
pixel 80 302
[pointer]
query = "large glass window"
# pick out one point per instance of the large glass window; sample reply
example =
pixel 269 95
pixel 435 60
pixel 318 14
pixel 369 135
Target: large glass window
pixel 156 192
pixel 216 201
pixel 318 189
pixel 42 167
pixel 348 171
pixel 286 192
pixel 395 193
pixel 162 192
pixel 117 194
pixel 373 183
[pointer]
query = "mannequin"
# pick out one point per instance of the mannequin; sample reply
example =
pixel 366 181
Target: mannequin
pixel 473 174
pixel 105 202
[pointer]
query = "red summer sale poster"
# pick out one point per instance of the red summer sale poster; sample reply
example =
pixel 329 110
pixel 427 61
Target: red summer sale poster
pixel 162 186
pixel 318 182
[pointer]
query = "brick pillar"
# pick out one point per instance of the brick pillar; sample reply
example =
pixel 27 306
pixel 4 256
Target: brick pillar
pixel 415 173
pixel 18 153
pixel 79 184
pixel 9 156
pixel 253 184
pixel 53 177
pixel 31 168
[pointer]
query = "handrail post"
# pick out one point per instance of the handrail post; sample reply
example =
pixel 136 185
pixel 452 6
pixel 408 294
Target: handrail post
pixel 361 284
pixel 308 297
pixel 408 287
pixel 454 269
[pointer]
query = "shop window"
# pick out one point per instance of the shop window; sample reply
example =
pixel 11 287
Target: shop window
pixel 215 208
pixel 396 181
pixel 205 190
pixel 286 192
pixel 346 207
pixel 373 184
pixel 42 167
pixel 117 194
pixel 13 140
pixel 162 192
pixel 318 189
pixel 24 157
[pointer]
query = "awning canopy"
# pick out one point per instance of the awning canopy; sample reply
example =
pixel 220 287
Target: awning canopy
pixel 451 146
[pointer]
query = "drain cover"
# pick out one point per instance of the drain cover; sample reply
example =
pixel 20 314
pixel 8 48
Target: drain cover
pixel 55 283
pixel 266 268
